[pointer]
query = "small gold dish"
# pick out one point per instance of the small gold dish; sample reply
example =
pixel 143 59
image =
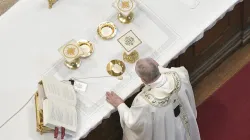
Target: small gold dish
pixel 106 30
pixel 116 68
pixel 86 47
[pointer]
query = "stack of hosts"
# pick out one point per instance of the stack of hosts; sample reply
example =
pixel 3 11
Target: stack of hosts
pixel 164 109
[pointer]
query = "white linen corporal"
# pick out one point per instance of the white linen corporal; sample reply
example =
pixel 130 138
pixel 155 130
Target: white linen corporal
pixel 151 116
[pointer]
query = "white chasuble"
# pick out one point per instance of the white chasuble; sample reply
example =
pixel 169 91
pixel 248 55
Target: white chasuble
pixel 163 110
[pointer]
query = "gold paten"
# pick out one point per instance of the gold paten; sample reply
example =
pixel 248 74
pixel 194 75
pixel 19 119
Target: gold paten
pixel 109 25
pixel 51 3
pixel 39 117
pixel 132 57
pixel 110 68
pixel 74 64
pixel 125 19
pixel 80 43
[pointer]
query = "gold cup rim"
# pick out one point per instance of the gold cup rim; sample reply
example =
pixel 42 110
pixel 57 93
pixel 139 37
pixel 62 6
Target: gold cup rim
pixel 80 43
pixel 109 25
pixel 111 64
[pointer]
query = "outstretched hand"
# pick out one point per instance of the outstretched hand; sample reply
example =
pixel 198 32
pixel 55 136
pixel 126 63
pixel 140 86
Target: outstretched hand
pixel 113 99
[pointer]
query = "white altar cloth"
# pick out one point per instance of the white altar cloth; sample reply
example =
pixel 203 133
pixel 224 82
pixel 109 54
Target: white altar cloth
pixel 30 34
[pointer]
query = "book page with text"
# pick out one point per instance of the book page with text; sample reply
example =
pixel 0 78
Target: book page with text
pixel 56 90
pixel 59 115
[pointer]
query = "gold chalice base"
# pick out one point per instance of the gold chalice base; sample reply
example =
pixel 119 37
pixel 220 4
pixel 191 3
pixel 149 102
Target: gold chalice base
pixel 125 19
pixel 132 57
pixel 116 68
pixel 86 47
pixel 73 65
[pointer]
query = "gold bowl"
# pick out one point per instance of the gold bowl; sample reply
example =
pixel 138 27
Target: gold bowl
pixel 116 68
pixel 109 25
pixel 86 47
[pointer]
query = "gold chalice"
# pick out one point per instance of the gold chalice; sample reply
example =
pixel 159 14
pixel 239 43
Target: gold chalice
pixel 125 8
pixel 71 52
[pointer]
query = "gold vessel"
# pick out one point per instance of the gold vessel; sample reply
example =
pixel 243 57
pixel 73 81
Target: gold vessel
pixel 83 43
pixel 74 64
pixel 109 25
pixel 115 68
pixel 51 3
pixel 125 19
pixel 132 57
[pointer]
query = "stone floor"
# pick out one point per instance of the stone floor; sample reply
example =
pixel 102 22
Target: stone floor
pixel 209 84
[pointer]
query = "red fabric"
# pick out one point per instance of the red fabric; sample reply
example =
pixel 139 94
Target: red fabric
pixel 226 114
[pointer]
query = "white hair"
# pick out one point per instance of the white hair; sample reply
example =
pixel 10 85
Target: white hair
pixel 147 69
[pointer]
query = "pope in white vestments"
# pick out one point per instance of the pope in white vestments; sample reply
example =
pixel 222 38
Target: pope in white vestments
pixel 164 109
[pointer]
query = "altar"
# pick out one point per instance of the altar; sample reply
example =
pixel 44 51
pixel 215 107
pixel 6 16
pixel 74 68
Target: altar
pixel 30 35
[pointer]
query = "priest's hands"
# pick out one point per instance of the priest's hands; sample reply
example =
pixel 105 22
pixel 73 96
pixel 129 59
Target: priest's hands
pixel 113 99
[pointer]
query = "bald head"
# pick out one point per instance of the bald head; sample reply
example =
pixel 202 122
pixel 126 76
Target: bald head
pixel 147 70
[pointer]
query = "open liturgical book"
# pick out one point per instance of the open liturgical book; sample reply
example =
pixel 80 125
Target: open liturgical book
pixel 58 102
